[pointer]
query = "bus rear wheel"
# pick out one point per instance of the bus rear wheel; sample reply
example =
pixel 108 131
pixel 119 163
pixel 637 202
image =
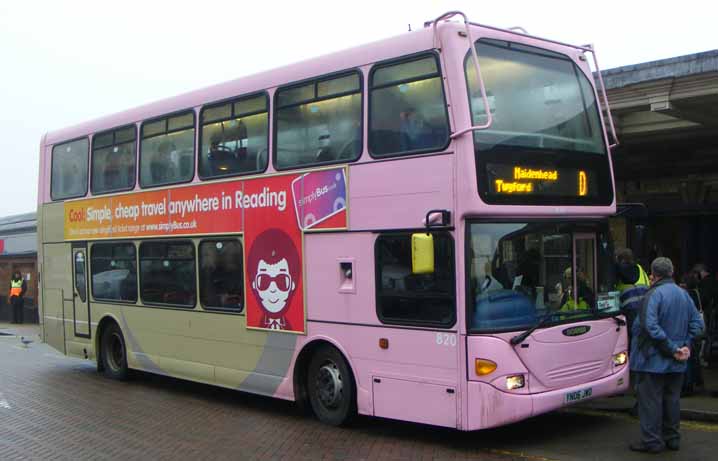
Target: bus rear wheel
pixel 114 353
pixel 331 388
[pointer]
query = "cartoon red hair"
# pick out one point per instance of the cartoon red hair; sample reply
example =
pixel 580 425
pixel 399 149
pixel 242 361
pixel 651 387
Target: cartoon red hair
pixel 274 269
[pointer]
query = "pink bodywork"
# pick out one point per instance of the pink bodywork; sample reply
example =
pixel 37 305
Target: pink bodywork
pixel 425 375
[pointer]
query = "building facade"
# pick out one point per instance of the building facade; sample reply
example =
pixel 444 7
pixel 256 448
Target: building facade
pixel 667 121
pixel 18 252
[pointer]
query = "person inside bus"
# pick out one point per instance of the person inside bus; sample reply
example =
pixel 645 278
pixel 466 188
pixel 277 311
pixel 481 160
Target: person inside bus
pixel 118 171
pixel 163 164
pixel 412 131
pixel 528 269
pixel 489 283
pixel 72 184
pixel 586 297
pixel 325 152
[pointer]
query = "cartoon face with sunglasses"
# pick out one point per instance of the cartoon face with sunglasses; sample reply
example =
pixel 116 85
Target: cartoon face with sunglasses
pixel 277 265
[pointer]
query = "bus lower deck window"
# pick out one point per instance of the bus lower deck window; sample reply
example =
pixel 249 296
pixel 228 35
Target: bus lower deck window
pixel 220 274
pixel 167 273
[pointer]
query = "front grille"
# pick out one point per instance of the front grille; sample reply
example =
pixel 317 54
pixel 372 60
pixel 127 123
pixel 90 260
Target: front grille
pixel 576 370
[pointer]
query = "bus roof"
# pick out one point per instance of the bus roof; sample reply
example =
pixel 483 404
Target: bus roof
pixel 393 47
pixel 407 43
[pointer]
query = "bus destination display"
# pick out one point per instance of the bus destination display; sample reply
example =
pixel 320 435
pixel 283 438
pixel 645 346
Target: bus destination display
pixel 513 179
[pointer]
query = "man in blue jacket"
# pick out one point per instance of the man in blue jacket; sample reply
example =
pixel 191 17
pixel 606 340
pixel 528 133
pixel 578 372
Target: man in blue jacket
pixel 667 322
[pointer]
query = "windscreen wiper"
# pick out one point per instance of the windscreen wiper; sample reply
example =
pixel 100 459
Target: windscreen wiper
pixel 518 339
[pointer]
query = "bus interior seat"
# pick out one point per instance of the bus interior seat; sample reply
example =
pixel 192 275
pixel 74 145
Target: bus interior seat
pixel 386 141
pixel 261 159
pixel 350 150
pixel 503 308
pixel 325 154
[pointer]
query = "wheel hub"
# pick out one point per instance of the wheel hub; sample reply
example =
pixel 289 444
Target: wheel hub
pixel 116 351
pixel 329 385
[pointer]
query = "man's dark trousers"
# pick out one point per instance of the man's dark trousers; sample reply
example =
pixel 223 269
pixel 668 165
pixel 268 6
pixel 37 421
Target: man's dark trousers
pixel 659 408
pixel 17 307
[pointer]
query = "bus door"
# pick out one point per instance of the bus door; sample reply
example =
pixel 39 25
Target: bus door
pixel 80 305
pixel 585 253
pixel 575 352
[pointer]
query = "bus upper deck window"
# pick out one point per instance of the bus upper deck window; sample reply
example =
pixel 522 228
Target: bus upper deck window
pixel 234 138
pixel 167 150
pixel 69 170
pixel 407 108
pixel 319 122
pixel 113 161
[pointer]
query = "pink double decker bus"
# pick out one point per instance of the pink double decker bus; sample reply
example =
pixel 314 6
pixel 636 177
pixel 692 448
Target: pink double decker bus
pixel 413 229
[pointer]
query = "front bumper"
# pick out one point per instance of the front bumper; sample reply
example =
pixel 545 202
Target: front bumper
pixel 490 407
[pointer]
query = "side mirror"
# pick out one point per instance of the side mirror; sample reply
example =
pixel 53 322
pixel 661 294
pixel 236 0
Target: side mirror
pixel 422 253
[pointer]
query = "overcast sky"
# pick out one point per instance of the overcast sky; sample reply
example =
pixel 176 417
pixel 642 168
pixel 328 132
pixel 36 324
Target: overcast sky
pixel 63 62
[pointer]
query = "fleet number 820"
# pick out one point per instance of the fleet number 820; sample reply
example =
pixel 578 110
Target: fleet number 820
pixel 446 339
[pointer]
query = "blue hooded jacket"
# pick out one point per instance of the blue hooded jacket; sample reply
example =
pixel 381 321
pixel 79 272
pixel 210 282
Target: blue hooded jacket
pixel 669 321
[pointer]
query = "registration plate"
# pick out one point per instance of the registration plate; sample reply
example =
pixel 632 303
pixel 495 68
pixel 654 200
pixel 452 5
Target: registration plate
pixel 576 396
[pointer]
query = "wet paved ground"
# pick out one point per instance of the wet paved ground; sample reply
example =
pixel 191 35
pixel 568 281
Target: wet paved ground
pixel 54 407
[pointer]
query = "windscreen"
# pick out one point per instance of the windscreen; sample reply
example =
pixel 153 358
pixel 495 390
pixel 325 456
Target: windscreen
pixel 538 99
pixel 520 271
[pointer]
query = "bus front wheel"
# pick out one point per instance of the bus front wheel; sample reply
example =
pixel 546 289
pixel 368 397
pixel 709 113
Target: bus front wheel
pixel 114 353
pixel 331 388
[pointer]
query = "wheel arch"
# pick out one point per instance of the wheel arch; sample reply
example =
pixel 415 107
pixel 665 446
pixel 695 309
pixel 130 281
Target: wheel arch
pixel 301 365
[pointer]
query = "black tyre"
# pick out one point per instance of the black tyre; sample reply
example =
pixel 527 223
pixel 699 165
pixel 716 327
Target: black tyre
pixel 331 387
pixel 113 353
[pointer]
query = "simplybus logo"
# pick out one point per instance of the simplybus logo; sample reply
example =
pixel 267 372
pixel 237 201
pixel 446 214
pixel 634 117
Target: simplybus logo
pixel 576 331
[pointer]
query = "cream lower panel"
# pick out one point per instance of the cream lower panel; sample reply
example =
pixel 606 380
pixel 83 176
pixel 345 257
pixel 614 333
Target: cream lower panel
pixel 53 320
pixel 53 217
pixel 239 354
pixel 207 339
pixel 147 331
pixel 188 370
pixel 80 348
pixel 225 377
pixel 69 324
pixel 144 362
pixel 222 340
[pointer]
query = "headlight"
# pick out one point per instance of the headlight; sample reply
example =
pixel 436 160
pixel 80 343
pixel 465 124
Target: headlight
pixel 515 382
pixel 620 359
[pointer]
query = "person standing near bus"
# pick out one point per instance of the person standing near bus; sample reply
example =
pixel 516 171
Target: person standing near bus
pixel 632 283
pixel 667 323
pixel 708 290
pixel 18 287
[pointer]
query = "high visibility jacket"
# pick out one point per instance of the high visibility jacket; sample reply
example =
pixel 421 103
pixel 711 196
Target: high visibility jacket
pixel 642 277
pixel 570 305
pixel 643 281
pixel 15 287
pixel 632 294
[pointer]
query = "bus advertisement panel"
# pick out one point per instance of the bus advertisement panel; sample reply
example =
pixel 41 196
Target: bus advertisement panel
pixel 271 212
